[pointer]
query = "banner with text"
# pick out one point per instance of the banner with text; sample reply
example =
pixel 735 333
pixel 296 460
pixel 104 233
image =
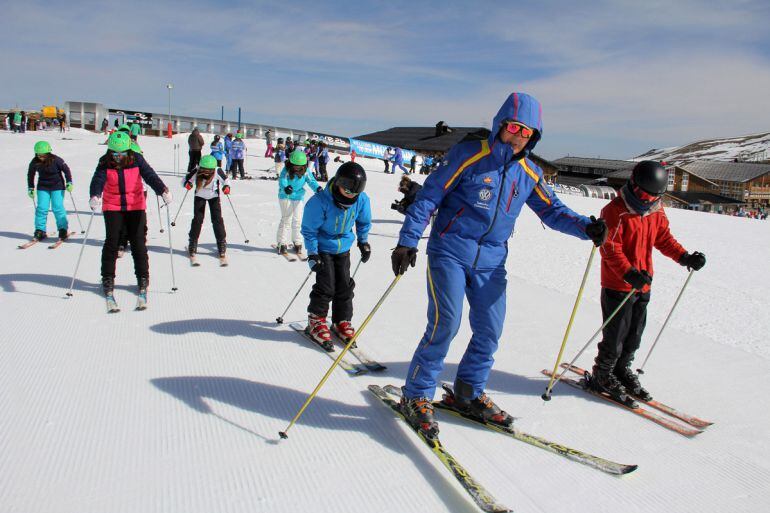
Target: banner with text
pixel 370 149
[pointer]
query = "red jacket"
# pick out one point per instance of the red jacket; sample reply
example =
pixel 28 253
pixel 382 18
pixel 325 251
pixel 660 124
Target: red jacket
pixel 122 189
pixel 630 240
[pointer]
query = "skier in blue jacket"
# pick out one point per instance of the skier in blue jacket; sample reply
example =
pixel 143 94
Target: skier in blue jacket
pixel 479 190
pixel 398 161
pixel 291 191
pixel 217 150
pixel 327 226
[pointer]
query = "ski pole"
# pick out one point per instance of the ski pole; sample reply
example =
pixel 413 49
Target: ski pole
pixel 640 370
pixel 604 325
pixel 279 319
pixel 160 219
pixel 171 250
pixel 173 223
pixel 547 394
pixel 77 214
pixel 356 269
pixel 82 247
pixel 283 434
pixel 236 218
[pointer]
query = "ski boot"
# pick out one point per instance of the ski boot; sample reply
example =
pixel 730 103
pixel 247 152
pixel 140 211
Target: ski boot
pixel 345 331
pixel 282 249
pixel 108 285
pixel 481 408
pixel 63 234
pixel 192 248
pixel 418 412
pixel 318 330
pixel 606 382
pixel 298 249
pixel 222 249
pixel 39 235
pixel 142 282
pixel 630 380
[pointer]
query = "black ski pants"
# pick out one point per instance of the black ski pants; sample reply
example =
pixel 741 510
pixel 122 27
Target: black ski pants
pixel 333 284
pixel 199 214
pixel 623 335
pixel 135 223
pixel 322 171
pixel 237 165
pixel 195 158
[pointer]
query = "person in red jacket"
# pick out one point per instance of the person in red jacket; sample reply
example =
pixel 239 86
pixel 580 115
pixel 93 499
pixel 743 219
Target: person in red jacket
pixel 636 223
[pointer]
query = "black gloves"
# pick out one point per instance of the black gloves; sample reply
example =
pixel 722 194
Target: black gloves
pixel 315 263
pixel 401 258
pixel 597 231
pixel 694 261
pixel 366 251
pixel 637 279
pixel 288 189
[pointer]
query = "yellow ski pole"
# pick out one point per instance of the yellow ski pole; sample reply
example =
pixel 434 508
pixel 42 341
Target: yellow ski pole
pixel 547 394
pixel 283 434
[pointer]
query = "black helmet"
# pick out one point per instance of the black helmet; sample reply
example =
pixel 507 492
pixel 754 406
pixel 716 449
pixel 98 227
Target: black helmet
pixel 650 176
pixel 351 176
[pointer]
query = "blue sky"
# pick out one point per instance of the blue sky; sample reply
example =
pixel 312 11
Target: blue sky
pixel 615 78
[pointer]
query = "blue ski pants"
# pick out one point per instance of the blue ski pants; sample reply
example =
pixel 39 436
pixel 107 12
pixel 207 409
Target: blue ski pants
pixel 46 200
pixel 449 282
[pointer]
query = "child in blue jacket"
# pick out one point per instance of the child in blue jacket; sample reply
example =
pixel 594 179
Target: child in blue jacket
pixel 291 192
pixel 218 150
pixel 327 226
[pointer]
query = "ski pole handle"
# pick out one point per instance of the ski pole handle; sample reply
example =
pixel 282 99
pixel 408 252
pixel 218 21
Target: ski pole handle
pixel 283 434
pixel 547 395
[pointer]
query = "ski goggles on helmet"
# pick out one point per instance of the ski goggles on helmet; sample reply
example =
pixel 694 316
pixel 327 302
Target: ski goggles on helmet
pixel 644 195
pixel 119 154
pixel 296 169
pixel 348 191
pixel 512 127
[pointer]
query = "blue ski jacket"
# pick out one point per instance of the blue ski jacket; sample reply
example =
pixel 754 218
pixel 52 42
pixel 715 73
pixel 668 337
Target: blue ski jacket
pixel 328 228
pixel 237 149
pixel 479 190
pixel 217 150
pixel 298 184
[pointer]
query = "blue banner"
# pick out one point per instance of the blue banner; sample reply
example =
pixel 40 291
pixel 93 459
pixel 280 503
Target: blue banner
pixel 370 149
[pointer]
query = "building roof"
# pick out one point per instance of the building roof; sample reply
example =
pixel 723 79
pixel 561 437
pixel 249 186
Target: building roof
pixel 622 174
pixel 728 171
pixel 424 139
pixel 594 163
pixel 702 197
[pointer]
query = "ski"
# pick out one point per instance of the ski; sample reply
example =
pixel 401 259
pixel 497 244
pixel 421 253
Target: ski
pixel 658 419
pixel 141 301
pixel 112 305
pixel 59 242
pixel 610 467
pixel 690 419
pixel 483 499
pixel 372 365
pixel 28 244
pixel 346 364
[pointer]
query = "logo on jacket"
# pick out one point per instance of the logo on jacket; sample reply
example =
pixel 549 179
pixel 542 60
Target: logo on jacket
pixel 485 194
pixel 488 180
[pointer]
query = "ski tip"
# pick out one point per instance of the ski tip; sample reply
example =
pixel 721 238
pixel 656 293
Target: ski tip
pixel 627 469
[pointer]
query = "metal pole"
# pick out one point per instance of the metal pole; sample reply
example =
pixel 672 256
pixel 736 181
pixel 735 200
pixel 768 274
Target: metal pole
pixel 356 269
pixel 279 319
pixel 239 119
pixel 640 370
pixel 160 220
pixel 283 434
pixel 82 247
pixel 547 395
pixel 77 214
pixel 173 223
pixel 170 249
pixel 604 325
pixel 236 218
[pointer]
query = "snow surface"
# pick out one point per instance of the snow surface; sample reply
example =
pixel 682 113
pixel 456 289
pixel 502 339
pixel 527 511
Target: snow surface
pixel 178 408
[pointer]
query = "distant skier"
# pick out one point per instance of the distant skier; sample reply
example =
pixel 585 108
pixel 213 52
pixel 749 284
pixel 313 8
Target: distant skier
pixel 269 143
pixel 322 159
pixel 291 191
pixel 53 177
pixel 327 227
pixel 195 144
pixel 228 145
pixel 479 191
pixel 136 129
pixel 636 222
pixel 237 153
pixel 207 180
pixel 279 156
pixel 217 150
pixel 398 161
pixel 116 188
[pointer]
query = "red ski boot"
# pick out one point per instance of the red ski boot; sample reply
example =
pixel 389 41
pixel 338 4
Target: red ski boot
pixel 319 331
pixel 345 331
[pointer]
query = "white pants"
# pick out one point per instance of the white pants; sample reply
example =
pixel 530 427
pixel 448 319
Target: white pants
pixel 291 213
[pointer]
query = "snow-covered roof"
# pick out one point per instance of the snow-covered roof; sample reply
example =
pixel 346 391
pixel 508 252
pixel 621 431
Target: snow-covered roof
pixel 726 171
pixel 594 163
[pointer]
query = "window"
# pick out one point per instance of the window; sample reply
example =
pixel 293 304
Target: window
pixel 671 176
pixel 685 180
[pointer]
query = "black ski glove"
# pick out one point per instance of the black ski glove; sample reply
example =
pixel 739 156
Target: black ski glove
pixel 288 189
pixel 315 263
pixel 401 258
pixel 637 279
pixel 366 251
pixel 597 231
pixel 694 261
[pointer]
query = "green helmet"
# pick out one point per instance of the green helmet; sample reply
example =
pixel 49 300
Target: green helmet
pixel 298 158
pixel 208 162
pixel 135 148
pixel 119 141
pixel 125 127
pixel 42 147
pixel 239 135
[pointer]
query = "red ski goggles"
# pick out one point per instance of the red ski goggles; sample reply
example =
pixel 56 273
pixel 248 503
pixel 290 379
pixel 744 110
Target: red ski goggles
pixel 514 128
pixel 644 195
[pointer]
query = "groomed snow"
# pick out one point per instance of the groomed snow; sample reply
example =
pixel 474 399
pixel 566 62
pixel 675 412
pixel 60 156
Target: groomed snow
pixel 178 408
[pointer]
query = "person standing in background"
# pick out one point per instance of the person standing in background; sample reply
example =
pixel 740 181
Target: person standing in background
pixel 195 143
pixel 269 142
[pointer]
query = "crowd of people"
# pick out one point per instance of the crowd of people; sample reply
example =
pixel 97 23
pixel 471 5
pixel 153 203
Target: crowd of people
pixel 20 121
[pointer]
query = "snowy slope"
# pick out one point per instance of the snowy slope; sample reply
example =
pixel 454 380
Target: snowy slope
pixel 755 147
pixel 178 408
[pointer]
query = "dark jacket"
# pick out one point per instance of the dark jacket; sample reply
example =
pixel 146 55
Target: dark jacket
pixel 195 141
pixel 49 174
